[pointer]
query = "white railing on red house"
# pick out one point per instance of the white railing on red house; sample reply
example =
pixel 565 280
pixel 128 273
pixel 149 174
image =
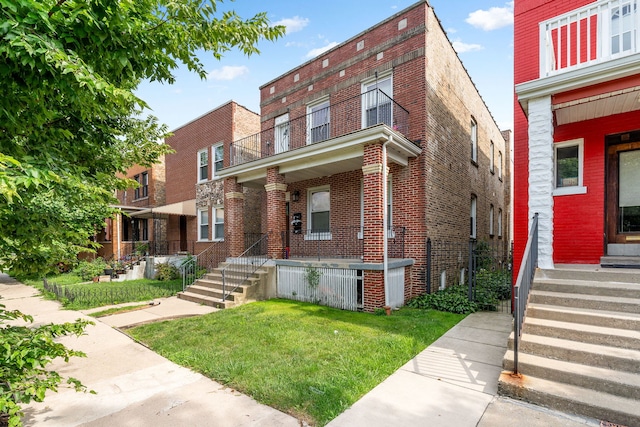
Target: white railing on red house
pixel 599 32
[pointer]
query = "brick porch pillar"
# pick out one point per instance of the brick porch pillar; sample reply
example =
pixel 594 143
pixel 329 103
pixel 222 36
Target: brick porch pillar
pixel 373 234
pixel 234 216
pixel 276 211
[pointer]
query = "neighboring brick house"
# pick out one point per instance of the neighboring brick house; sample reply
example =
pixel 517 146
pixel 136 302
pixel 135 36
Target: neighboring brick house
pixel 134 226
pixel 393 105
pixel 577 130
pixel 194 195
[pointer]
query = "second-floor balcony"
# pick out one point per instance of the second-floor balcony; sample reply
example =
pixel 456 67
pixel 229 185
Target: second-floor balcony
pixel 329 139
pixel 599 32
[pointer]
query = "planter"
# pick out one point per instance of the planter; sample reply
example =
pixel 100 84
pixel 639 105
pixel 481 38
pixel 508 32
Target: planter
pixel 96 279
pixel 108 271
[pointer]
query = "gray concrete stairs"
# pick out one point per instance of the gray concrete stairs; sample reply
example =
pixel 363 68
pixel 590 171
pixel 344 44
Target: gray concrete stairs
pixel 208 290
pixel 580 345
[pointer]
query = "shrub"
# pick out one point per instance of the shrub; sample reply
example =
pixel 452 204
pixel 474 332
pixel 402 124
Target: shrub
pixel 491 288
pixel 167 271
pixel 90 269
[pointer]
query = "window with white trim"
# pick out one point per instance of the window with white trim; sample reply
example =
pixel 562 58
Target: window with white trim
pixel 568 164
pixel 218 158
pixel 499 223
pixel 500 164
pixel 203 224
pixel 491 213
pixel 281 138
pixel 218 223
pixel 473 228
pixel 377 101
pixel 319 208
pixel 491 154
pixel 474 140
pixel 318 122
pixel 203 165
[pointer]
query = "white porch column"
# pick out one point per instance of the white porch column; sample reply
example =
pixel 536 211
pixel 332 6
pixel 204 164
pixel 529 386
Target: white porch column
pixel 541 175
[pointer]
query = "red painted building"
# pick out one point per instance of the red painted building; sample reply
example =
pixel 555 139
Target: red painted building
pixel 577 130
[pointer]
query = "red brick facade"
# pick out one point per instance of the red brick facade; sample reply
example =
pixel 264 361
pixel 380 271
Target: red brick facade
pixel 430 194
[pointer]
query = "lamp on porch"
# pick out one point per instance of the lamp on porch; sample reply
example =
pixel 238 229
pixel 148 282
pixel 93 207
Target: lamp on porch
pixel 295 196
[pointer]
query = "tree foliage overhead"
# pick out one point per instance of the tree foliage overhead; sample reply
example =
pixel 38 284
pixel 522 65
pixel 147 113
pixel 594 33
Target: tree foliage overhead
pixel 69 120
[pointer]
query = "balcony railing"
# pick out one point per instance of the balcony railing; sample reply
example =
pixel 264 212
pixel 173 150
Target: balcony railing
pixel 599 32
pixel 369 109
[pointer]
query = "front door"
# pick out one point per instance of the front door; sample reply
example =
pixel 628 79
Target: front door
pixel 623 194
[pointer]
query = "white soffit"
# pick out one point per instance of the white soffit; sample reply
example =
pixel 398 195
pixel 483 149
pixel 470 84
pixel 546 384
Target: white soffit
pixel 593 107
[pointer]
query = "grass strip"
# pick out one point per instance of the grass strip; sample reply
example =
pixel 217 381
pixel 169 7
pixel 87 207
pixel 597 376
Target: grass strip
pixel 310 361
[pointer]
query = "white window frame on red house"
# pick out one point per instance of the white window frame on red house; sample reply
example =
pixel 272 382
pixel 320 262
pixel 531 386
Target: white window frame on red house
pixel 383 82
pixel 311 234
pixel 578 188
pixel 203 164
pixel 217 151
pixel 318 121
pixel 203 221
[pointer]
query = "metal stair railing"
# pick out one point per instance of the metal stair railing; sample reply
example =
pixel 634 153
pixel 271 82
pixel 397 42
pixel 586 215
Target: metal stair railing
pixel 244 266
pixel 196 266
pixel 523 286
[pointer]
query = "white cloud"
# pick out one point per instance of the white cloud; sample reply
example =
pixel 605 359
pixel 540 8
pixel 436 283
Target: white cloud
pixel 451 30
pixel 227 72
pixel 461 47
pixel 294 24
pixel 492 19
pixel 318 51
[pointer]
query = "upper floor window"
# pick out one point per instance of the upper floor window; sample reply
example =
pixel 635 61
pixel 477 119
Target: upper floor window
pixel 491 214
pixel 144 177
pixel 622 27
pixel 491 154
pixel 377 101
pixel 318 122
pixel 203 165
pixel 136 191
pixel 218 158
pixel 281 137
pixel 474 140
pixel 500 164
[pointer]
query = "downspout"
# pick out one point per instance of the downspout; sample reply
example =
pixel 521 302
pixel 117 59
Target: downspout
pixel 385 221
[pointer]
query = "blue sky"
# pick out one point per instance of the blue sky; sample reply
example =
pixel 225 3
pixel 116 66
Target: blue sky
pixel 480 30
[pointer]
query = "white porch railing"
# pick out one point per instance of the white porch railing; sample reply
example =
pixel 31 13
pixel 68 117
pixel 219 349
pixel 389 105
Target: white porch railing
pixel 599 32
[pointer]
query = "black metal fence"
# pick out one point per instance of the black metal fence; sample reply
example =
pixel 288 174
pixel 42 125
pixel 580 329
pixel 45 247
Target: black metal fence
pixel 358 112
pixel 339 242
pixel 470 263
pixel 523 286
pixel 90 295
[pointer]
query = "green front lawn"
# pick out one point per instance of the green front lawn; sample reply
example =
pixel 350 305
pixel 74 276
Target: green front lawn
pixel 310 361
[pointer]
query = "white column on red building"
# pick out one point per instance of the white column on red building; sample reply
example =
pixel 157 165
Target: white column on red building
pixel 541 175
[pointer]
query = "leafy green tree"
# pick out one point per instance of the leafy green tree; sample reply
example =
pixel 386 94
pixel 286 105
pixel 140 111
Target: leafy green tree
pixel 24 355
pixel 69 118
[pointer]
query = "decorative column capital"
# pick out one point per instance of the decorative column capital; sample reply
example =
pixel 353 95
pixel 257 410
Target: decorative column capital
pixel 275 187
pixel 370 169
pixel 234 195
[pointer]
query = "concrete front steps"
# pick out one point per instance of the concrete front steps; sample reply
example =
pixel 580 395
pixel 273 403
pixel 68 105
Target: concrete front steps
pixel 580 346
pixel 208 290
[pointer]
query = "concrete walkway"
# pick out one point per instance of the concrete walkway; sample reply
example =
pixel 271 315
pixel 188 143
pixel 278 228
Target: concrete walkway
pixel 135 386
pixel 453 382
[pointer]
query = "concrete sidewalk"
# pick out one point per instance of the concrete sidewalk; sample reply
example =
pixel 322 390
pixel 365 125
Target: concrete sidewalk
pixel 135 386
pixel 453 382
